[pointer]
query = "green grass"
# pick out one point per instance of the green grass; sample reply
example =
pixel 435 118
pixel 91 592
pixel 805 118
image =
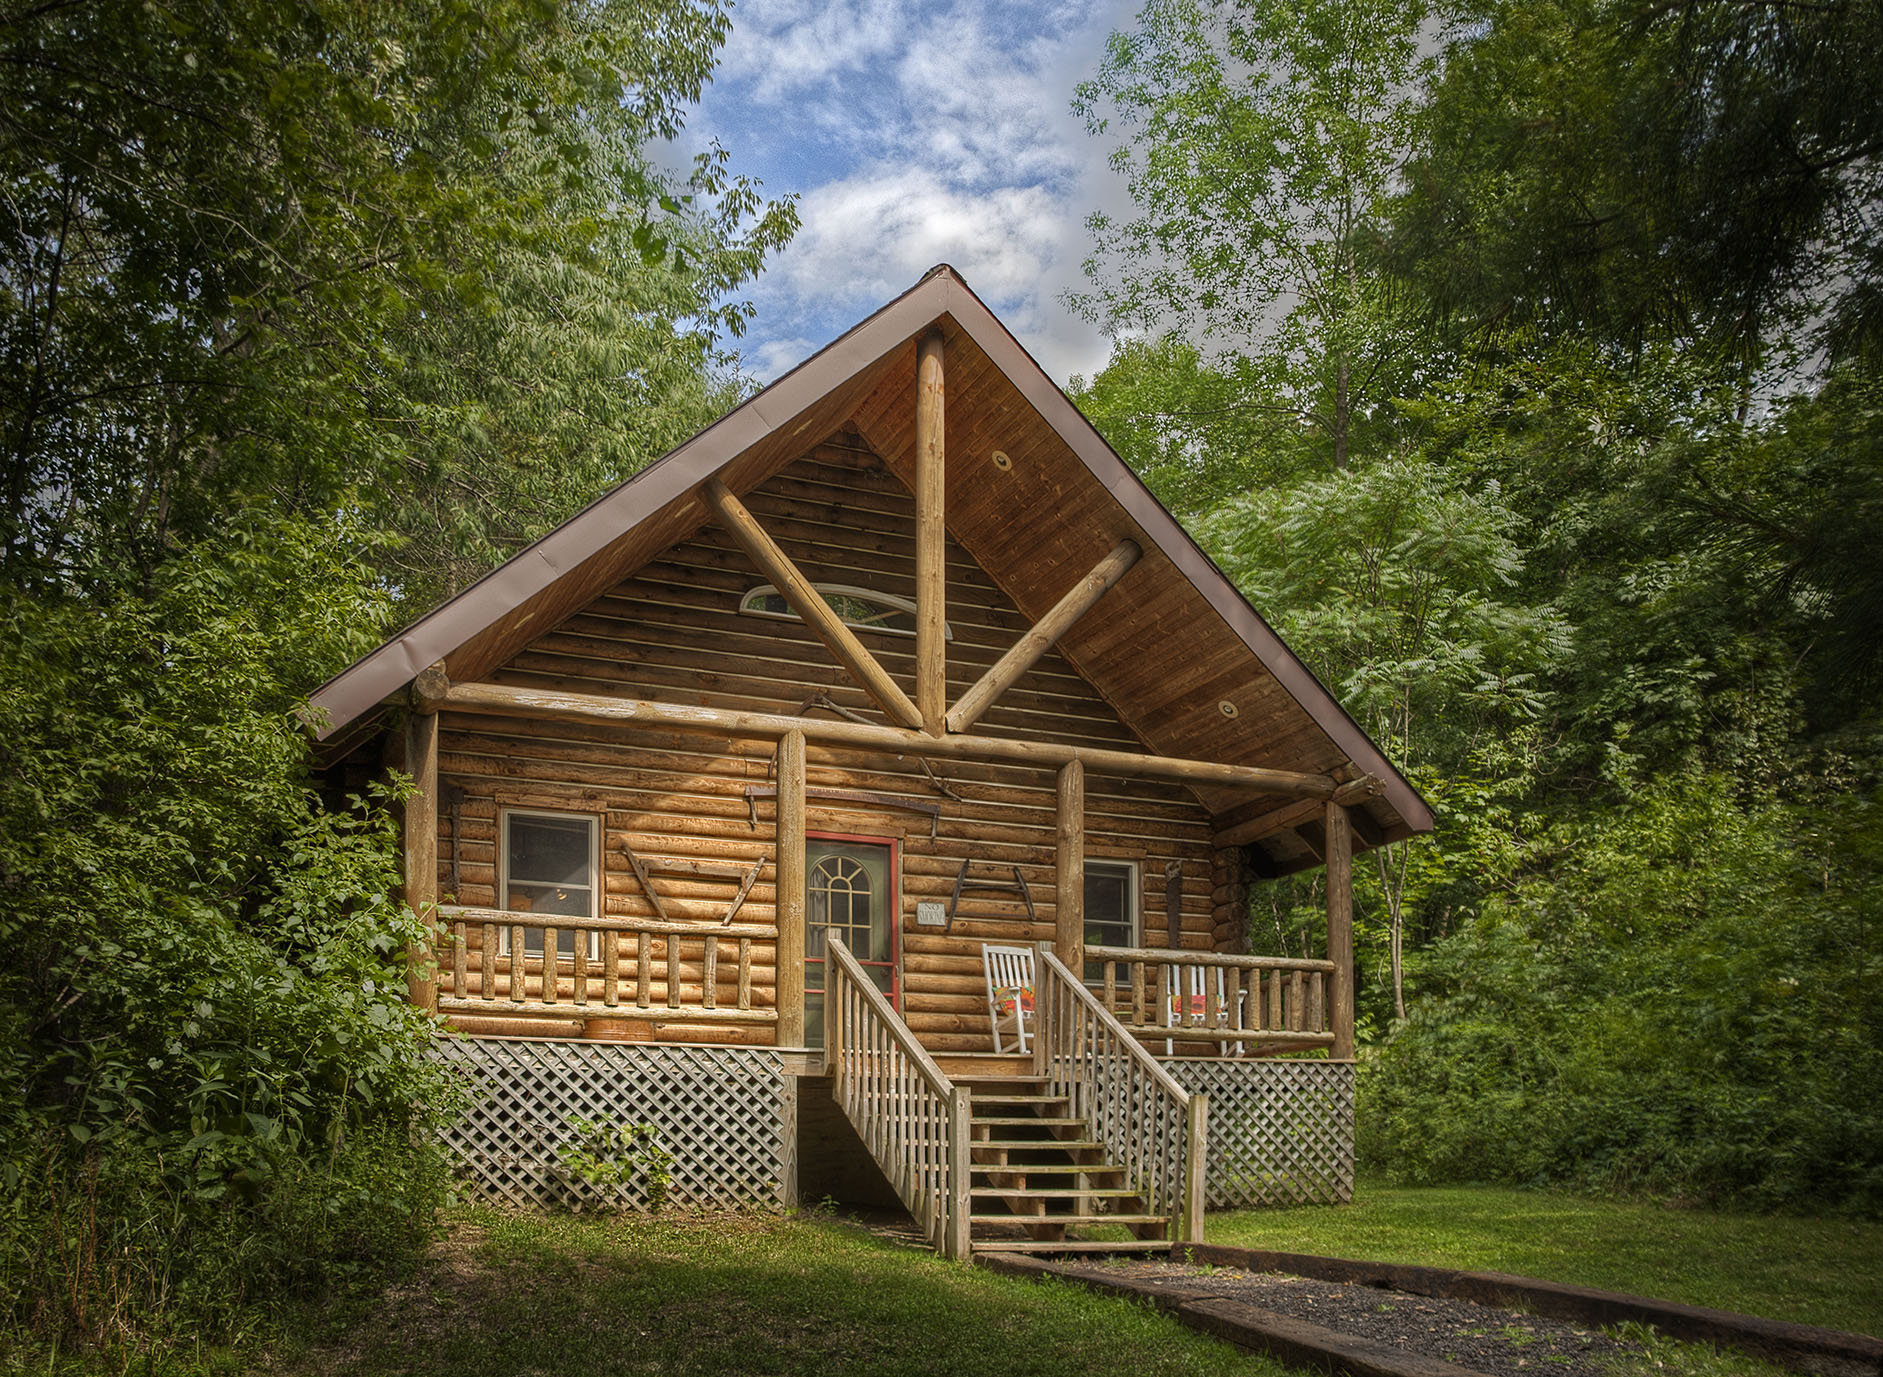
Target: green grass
pixel 685 1294
pixel 1812 1271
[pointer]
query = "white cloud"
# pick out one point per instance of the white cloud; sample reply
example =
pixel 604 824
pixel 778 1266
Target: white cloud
pixel 917 136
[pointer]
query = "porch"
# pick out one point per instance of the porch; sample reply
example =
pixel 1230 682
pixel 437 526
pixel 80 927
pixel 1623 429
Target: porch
pixel 987 1151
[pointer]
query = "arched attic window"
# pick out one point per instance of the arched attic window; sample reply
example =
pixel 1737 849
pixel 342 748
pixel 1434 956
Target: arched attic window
pixel 859 607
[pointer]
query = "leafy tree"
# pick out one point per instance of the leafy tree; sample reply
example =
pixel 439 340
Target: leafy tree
pixel 304 308
pixel 1396 584
pixel 1700 171
pixel 1184 426
pixel 1263 141
pixel 240 242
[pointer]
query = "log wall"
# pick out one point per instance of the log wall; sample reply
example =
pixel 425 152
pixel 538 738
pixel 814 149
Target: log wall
pixel 673 633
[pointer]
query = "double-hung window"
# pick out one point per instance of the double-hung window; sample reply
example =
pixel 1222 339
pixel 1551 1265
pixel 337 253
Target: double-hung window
pixel 550 867
pixel 1111 909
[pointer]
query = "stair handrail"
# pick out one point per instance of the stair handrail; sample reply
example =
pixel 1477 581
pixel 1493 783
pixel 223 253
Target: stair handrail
pixel 911 1117
pixel 1150 1125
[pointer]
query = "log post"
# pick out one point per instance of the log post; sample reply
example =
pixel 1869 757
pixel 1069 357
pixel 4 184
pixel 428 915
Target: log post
pixel 790 908
pixel 1340 926
pixel 931 537
pixel 1069 868
pixel 955 1245
pixel 421 854
pixel 1196 1134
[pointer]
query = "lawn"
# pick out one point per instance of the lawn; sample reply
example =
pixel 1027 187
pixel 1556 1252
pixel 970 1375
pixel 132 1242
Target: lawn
pixel 1813 1271
pixel 752 1294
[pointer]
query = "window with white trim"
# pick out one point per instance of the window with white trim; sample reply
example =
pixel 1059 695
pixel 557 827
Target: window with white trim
pixel 550 867
pixel 1111 909
pixel 862 608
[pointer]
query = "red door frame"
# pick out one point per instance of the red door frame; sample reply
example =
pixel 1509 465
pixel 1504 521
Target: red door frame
pixel 894 844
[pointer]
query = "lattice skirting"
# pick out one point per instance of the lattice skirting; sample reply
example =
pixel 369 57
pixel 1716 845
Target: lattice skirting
pixel 728 1116
pixel 1280 1132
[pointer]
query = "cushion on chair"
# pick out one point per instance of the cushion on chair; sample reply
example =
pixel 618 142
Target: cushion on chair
pixel 1009 997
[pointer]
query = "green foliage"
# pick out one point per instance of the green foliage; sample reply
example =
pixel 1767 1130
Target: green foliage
pixel 1262 142
pixel 1682 996
pixel 607 1153
pixel 210 1070
pixel 250 250
pixel 1597 286
pixel 309 312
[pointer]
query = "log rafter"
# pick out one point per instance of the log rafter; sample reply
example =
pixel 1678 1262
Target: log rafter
pixel 810 606
pixel 1043 635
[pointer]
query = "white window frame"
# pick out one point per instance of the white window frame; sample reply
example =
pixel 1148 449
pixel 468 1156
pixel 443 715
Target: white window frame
pixel 503 875
pixel 1134 898
pixel 844 589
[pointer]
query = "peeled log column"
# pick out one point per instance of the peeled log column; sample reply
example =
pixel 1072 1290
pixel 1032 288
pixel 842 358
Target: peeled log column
pixel 1069 918
pixel 1340 925
pixel 790 903
pixel 931 587
pixel 421 853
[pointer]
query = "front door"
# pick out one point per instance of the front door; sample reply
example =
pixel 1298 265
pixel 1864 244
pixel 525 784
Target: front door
pixel 850 886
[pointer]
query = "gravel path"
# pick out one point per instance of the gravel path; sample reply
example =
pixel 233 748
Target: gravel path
pixel 1502 1343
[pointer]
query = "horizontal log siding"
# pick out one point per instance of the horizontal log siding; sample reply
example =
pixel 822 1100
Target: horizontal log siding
pixel 673 633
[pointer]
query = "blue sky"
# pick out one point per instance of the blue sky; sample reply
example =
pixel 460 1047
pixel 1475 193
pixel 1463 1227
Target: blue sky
pixel 915 135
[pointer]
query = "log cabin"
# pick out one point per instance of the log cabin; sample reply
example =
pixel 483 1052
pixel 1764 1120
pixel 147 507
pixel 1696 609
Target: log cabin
pixel 868 795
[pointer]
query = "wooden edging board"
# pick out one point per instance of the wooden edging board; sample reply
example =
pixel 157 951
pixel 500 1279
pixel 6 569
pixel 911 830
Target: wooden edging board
pixel 1808 1348
pixel 1251 1327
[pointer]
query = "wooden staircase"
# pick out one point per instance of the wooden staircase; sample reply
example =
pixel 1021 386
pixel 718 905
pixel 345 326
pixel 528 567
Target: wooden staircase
pixel 1039 1182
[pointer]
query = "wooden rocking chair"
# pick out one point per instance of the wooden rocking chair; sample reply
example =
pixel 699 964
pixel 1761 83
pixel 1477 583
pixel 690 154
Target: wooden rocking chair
pixel 1009 972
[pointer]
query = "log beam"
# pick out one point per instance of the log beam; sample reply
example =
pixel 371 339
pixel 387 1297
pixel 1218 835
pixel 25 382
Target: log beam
pixel 1340 926
pixel 1044 635
pixel 506 700
pixel 430 687
pixel 931 537
pixel 810 606
pixel 1069 868
pixel 790 900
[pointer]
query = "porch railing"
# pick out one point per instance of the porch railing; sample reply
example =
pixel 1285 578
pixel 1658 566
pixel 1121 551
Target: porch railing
pixel 1163 994
pixel 911 1117
pixel 641 968
pixel 1150 1125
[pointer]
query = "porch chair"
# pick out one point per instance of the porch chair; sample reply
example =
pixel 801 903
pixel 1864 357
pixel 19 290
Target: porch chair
pixel 1009 972
pixel 1186 1003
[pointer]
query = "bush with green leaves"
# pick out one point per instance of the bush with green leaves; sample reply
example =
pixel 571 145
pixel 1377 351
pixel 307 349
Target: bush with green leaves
pixel 1681 996
pixel 214 1089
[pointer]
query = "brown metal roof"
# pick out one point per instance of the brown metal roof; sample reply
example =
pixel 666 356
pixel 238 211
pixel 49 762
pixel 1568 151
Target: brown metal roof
pixel 1170 644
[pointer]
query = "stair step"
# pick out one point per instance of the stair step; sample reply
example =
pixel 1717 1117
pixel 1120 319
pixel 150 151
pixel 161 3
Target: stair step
pixel 1038 1169
pixel 1027 1121
pixel 1071 1245
pixel 1036 1144
pixel 1058 1192
pixel 1071 1220
pixel 995 1078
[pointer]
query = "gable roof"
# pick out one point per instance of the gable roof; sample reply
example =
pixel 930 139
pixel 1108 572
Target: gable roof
pixel 1062 499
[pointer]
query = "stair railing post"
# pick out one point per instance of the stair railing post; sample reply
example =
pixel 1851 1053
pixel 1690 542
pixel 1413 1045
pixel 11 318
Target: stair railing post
pixel 957 1246
pixel 1196 1139
pixel 1043 1027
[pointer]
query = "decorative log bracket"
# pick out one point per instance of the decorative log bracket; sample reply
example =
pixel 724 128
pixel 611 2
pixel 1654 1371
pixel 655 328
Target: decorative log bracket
pixel 963 883
pixel 755 792
pixel 718 870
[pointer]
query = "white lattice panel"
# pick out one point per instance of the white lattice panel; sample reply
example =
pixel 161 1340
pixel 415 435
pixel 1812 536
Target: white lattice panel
pixel 726 1114
pixel 1280 1132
